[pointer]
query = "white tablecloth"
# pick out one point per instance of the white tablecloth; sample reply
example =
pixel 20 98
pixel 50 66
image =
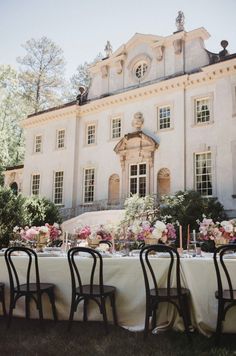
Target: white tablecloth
pixel 125 274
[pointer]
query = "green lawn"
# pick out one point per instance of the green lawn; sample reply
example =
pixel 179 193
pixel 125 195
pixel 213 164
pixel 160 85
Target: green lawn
pixel 28 338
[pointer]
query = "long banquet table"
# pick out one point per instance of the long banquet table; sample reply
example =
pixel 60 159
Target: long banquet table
pixel 125 274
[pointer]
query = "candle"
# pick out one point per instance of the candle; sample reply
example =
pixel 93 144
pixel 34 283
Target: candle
pixel 180 237
pixel 188 236
pixel 194 236
pixel 66 244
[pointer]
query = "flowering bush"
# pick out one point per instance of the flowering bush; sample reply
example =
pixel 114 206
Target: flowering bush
pixel 226 230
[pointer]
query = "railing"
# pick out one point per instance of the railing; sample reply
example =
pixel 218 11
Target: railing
pixel 68 213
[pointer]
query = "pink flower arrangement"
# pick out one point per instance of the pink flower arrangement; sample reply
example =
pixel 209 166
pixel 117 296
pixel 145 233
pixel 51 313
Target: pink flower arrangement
pixel 209 230
pixel 83 232
pixel 31 234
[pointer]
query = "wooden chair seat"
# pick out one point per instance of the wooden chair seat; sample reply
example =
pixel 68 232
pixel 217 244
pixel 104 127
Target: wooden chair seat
pixel 173 292
pixel 96 292
pixel 43 287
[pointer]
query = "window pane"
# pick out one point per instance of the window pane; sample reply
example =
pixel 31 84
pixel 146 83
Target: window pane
pixel 58 187
pixel 142 168
pixel 91 134
pixel 203 173
pixel 35 184
pixel 38 144
pixel 133 185
pixel 164 117
pixel 61 139
pixel 89 185
pixel 142 186
pixel 133 170
pixel 202 110
pixel 116 128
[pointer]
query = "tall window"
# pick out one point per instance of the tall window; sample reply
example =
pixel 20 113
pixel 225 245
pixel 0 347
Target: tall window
pixel 58 187
pixel 89 185
pixel 91 134
pixel 164 117
pixel 137 179
pixel 116 127
pixel 38 144
pixel 203 173
pixel 60 138
pixel 35 184
pixel 202 110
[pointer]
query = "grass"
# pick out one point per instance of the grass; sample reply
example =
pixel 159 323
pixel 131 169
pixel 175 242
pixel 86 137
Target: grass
pixel 25 338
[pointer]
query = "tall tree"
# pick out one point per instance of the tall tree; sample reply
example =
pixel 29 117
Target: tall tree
pixel 12 110
pixel 41 73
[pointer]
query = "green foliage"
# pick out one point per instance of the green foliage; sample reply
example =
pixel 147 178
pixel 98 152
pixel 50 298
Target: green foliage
pixel 16 210
pixel 137 207
pixel 12 212
pixel 41 211
pixel 188 207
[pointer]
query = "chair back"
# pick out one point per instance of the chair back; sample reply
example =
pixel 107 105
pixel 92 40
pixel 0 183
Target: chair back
pixel 106 242
pixel 32 263
pixel 97 264
pixel 173 268
pixel 219 261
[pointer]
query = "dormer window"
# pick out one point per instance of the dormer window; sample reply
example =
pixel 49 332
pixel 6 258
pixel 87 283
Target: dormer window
pixel 141 69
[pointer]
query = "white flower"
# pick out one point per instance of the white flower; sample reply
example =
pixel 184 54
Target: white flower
pixel 56 225
pixel 43 229
pixel 159 228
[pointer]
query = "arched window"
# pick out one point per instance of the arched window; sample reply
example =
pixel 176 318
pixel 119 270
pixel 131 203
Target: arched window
pixel 163 181
pixel 14 188
pixel 114 189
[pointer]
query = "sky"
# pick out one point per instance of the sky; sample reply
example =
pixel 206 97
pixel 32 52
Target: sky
pixel 82 27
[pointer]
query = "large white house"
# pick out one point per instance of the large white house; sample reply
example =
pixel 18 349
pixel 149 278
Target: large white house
pixel 159 116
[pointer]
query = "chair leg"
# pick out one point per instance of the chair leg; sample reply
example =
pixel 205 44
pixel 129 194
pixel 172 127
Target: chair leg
pixel 51 296
pixel 219 323
pixel 85 316
pixel 3 302
pixel 12 302
pixel 113 306
pixel 27 307
pixel 146 325
pixel 182 301
pixel 72 310
pixel 39 306
pixel 104 313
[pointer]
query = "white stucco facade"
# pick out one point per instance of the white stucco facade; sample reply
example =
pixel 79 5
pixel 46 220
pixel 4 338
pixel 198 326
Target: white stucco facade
pixel 178 77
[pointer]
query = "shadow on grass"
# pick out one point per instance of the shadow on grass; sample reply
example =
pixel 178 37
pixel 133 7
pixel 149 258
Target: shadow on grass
pixel 28 338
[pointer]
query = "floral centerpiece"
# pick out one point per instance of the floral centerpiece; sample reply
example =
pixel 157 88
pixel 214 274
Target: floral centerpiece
pixel 39 236
pixel 220 232
pixel 93 234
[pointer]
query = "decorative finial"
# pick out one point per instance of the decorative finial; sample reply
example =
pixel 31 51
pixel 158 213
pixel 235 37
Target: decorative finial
pixel 180 21
pixel 224 52
pixel 108 49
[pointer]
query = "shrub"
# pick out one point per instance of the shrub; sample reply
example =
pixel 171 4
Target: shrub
pixel 41 211
pixel 12 212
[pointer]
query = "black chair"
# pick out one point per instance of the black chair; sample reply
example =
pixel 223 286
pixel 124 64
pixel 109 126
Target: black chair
pixel 154 295
pixel 106 242
pixel 226 296
pixel 2 298
pixel 86 292
pixel 29 290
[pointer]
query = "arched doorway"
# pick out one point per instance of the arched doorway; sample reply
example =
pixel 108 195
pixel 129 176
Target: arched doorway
pixel 163 181
pixel 114 190
pixel 14 187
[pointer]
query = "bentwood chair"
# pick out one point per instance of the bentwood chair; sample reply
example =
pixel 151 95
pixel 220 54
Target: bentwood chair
pixel 32 288
pixel 155 295
pixel 106 242
pixel 92 291
pixel 2 298
pixel 226 296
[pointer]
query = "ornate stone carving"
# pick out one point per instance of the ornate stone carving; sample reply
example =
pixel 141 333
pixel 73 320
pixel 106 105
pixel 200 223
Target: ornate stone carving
pixel 138 121
pixel 159 52
pixel 178 45
pixel 104 70
pixel 119 67
pixel 179 22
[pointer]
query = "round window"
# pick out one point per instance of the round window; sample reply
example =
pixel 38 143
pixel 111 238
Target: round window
pixel 141 69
